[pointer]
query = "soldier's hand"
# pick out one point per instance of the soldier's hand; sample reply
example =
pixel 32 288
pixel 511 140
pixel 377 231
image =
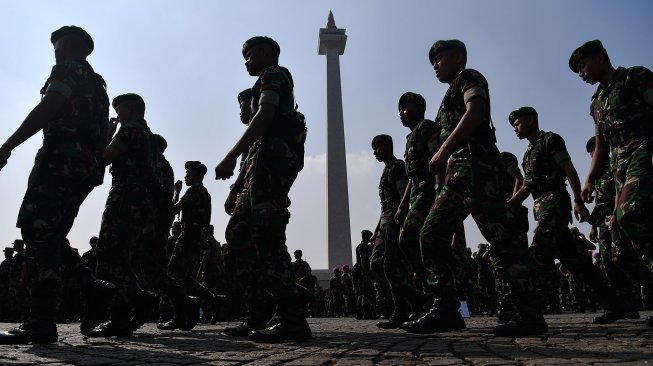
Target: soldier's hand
pixel 178 185
pixel 581 212
pixel 594 237
pixel 399 215
pixel 612 222
pixel 225 168
pixel 588 192
pixel 438 162
pixel 5 153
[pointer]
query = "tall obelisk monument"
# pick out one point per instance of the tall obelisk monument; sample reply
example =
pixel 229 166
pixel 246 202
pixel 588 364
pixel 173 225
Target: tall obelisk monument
pixel 332 44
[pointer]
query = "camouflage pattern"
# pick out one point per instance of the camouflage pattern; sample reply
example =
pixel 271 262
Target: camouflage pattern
pixel 365 296
pixel 126 222
pixel 623 114
pixel 421 144
pixel 191 245
pixel 65 171
pixel 472 186
pixel 256 230
pixel 552 239
pixel 302 272
pixel 391 188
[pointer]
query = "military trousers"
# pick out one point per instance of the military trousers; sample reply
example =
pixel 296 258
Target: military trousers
pixel 460 197
pixel 634 202
pixel 57 186
pixel 419 207
pixel 552 239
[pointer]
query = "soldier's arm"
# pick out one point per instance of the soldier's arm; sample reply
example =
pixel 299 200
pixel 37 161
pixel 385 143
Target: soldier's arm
pixel 38 118
pixel 519 196
pixel 580 211
pixel 599 160
pixel 113 151
pixel 471 120
pixel 405 198
pixel 258 126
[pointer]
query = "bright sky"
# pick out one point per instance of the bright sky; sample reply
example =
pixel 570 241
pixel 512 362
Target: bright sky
pixel 184 58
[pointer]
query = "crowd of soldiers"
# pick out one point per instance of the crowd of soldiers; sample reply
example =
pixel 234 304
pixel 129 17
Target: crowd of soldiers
pixel 135 269
pixel 452 168
pixel 412 268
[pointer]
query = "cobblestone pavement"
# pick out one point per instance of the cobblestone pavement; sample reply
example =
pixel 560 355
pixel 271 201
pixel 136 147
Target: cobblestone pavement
pixel 571 340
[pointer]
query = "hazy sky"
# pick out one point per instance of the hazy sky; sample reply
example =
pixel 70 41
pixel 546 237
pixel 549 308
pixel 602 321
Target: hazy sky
pixel 184 58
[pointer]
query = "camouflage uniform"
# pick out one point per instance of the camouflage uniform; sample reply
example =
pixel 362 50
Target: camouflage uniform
pixel 365 297
pixel 552 238
pixel 65 171
pixel 126 222
pixel 395 267
pixel 623 114
pixel 472 185
pixel 5 276
pixel 190 246
pixel 256 230
pixel 421 144
pixel 302 271
pixel 620 261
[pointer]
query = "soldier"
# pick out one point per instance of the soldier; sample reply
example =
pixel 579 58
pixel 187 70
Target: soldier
pixel 472 162
pixel 211 272
pixel 175 230
pixel 195 207
pixel 622 108
pixel 365 298
pixel 73 114
pixel 392 186
pixel 5 276
pixel 421 144
pixel 90 256
pixel 302 269
pixel 620 262
pixel 261 214
pixel 126 225
pixel 348 291
pixel 547 165
pixel 336 294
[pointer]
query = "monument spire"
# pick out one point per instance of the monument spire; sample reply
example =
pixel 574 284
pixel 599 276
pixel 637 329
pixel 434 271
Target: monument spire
pixel 332 44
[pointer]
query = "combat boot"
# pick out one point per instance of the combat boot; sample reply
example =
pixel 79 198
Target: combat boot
pixel 288 324
pixel 616 311
pixel 192 313
pixel 257 318
pixel 34 331
pixel 519 327
pixel 98 294
pixel 147 302
pixel 417 301
pixel 112 328
pixel 442 317
pixel 399 315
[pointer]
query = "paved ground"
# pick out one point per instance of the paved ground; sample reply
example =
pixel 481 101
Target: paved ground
pixel 571 340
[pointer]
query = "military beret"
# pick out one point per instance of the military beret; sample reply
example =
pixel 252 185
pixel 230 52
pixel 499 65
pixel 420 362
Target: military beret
pixel 72 29
pixel 381 139
pixel 443 45
pixel 255 41
pixel 591 144
pixel 410 97
pixel 126 98
pixel 523 111
pixel 10 250
pixel 244 95
pixel 588 49
pixel 195 166
pixel 366 234
pixel 19 241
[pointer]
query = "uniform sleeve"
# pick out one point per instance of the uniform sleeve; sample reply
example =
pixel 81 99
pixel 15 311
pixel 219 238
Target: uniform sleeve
pixel 273 81
pixel 472 84
pixel 510 163
pixel 124 137
pixel 640 79
pixel 400 179
pixel 189 197
pixel 62 79
pixel 430 134
pixel 555 145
